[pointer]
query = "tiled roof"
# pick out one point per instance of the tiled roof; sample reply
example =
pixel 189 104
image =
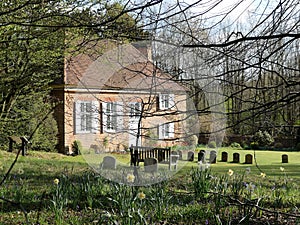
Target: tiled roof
pixel 124 67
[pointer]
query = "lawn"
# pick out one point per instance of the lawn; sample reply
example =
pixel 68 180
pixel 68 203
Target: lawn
pixel 226 193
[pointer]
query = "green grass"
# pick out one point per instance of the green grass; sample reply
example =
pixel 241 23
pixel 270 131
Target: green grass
pixel 83 197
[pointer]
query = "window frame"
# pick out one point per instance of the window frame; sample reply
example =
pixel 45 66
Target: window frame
pixel 166 101
pixel 166 130
pixel 112 112
pixel 86 118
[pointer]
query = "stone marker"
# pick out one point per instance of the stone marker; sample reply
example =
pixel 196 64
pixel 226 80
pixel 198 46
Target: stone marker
pixel 224 157
pixel 248 159
pixel 284 158
pixel 109 162
pixel 213 156
pixel 201 156
pixel 236 157
pixel 180 154
pixel 151 165
pixel 190 156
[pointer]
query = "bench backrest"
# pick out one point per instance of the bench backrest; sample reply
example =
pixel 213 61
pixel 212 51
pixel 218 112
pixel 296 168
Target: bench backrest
pixel 140 153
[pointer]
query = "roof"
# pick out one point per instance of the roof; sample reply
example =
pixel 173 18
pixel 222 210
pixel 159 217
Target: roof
pixel 124 67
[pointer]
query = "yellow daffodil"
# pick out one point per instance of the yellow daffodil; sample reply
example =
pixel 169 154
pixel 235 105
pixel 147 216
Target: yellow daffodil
pixel 20 171
pixel 141 195
pixel 230 172
pixel 56 181
pixel 263 175
pixel 130 178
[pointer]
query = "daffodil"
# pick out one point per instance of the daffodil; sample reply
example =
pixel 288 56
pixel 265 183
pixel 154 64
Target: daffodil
pixel 56 181
pixel 20 171
pixel 263 175
pixel 230 172
pixel 130 178
pixel 141 195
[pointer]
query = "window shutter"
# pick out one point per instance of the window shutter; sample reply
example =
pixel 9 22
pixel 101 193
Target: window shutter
pixel 171 130
pixel 160 102
pixel 171 101
pixel 95 117
pixel 160 131
pixel 120 115
pixel 77 118
pixel 104 116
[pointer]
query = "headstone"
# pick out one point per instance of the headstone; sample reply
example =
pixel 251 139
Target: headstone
pixel 236 157
pixel 284 158
pixel 173 152
pixel 201 156
pixel 173 161
pixel 109 162
pixel 213 156
pixel 95 148
pixel 190 156
pixel 224 157
pixel 151 165
pixel 248 159
pixel 180 154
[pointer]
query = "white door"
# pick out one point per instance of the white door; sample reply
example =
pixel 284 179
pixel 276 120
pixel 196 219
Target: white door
pixel 134 118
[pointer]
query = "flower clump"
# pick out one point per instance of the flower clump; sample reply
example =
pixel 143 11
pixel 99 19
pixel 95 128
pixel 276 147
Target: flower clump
pixel 130 178
pixel 141 195
pixel 263 175
pixel 230 172
pixel 56 181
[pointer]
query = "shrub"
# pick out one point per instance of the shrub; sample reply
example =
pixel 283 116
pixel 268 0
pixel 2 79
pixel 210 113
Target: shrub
pixel 254 145
pixel 212 144
pixel 278 145
pixel 297 148
pixel 235 145
pixel 76 147
pixel 263 138
pixel 45 136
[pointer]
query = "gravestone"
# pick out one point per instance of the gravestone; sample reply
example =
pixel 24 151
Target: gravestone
pixel 109 162
pixel 173 152
pixel 236 157
pixel 213 156
pixel 248 159
pixel 95 148
pixel 190 156
pixel 151 165
pixel 224 157
pixel 173 161
pixel 284 158
pixel 180 155
pixel 201 156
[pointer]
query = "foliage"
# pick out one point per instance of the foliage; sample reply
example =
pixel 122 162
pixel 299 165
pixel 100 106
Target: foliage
pixel 297 147
pixel 263 138
pixel 76 147
pixel 212 144
pixel 235 145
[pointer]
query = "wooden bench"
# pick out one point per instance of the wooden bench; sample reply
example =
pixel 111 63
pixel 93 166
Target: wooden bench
pixel 139 154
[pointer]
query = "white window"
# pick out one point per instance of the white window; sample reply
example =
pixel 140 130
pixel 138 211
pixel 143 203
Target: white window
pixel 112 116
pixel 166 130
pixel 135 109
pixel 86 116
pixel 166 101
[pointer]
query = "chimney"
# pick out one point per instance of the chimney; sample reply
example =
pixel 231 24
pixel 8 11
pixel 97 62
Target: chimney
pixel 145 48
